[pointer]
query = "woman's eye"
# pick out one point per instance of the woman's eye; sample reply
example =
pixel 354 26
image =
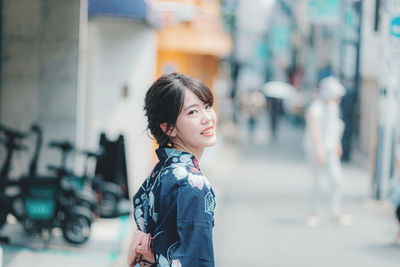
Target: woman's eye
pixel 192 112
pixel 208 106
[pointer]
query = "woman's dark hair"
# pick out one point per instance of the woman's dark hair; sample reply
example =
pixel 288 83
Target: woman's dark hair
pixel 164 102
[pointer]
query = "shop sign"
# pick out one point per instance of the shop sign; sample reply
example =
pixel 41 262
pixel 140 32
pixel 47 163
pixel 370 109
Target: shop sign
pixel 324 11
pixel 395 27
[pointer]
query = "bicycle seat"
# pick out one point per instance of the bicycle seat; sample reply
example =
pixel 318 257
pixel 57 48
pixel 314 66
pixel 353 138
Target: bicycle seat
pixel 64 146
pixel 35 128
pixel 90 154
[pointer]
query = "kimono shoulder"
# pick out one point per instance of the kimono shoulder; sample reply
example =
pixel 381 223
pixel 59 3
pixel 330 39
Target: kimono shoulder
pixel 182 175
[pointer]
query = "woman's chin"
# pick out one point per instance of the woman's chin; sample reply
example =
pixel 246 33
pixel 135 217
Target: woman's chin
pixel 212 141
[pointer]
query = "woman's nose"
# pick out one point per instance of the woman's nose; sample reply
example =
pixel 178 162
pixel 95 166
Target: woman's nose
pixel 206 116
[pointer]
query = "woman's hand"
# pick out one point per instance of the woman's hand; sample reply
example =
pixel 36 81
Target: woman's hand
pixel 132 254
pixel 340 150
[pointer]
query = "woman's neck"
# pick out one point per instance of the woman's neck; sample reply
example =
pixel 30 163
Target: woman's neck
pixel 195 152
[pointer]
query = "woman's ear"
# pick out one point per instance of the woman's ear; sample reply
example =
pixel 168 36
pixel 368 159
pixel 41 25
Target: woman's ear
pixel 170 131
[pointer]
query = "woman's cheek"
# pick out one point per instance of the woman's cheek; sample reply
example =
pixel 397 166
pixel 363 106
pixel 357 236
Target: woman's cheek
pixel 214 114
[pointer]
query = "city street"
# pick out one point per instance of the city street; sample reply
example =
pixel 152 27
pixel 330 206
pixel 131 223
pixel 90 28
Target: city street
pixel 260 218
pixel 89 88
pixel 262 207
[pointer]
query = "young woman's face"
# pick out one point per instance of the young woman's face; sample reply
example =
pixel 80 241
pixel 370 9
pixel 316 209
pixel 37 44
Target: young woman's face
pixel 195 127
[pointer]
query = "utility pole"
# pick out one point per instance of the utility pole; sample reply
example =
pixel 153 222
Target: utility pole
pixel 350 69
pixel 388 100
pixel 1 53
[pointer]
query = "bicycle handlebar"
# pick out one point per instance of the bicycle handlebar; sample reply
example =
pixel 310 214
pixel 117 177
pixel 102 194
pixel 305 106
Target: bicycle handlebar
pixel 14 145
pixel 11 133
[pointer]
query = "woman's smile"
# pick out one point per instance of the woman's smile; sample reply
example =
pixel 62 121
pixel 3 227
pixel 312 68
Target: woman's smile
pixel 208 132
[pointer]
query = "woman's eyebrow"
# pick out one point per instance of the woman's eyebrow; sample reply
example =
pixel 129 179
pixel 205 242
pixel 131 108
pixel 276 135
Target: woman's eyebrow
pixel 191 106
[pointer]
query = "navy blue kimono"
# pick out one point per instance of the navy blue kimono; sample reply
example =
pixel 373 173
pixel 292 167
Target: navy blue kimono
pixel 176 205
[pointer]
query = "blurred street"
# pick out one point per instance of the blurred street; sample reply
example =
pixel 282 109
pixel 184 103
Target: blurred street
pixel 73 79
pixel 260 218
pixel 262 207
pixel 102 250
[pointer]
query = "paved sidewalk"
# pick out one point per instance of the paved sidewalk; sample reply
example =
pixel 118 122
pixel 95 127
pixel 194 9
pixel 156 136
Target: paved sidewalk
pixel 105 248
pixel 262 200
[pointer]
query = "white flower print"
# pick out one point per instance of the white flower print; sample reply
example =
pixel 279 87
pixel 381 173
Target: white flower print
pixel 151 199
pixel 209 203
pixel 163 262
pixel 180 172
pixel 196 181
pixel 185 158
pixel 140 222
pixel 176 263
pixel 153 214
pixel 138 212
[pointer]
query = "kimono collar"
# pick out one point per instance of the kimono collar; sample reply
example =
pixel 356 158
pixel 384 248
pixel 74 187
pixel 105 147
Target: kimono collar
pixel 164 154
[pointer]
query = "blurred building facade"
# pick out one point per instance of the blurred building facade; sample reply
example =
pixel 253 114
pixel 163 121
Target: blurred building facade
pixel 351 39
pixel 78 68
pixel 362 50
pixel 82 67
pixel 40 75
pixel 121 56
pixel 380 67
pixel 192 40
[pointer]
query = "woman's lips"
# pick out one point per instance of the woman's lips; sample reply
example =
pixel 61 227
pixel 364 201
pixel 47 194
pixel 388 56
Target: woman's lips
pixel 208 131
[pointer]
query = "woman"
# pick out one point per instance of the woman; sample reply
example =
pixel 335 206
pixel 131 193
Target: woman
pixel 176 203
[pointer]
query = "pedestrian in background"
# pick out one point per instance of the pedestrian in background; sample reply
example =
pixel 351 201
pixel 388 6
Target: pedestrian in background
pixel 394 193
pixel 275 110
pixel 176 203
pixel 252 103
pixel 322 143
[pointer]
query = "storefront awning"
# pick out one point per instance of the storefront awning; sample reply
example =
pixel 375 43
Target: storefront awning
pixel 134 9
pixel 195 41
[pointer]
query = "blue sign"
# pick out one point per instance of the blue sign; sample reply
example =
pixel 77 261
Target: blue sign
pixel 395 27
pixel 118 8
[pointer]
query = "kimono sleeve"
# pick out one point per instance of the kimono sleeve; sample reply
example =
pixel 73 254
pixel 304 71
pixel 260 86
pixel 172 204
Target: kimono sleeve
pixel 194 227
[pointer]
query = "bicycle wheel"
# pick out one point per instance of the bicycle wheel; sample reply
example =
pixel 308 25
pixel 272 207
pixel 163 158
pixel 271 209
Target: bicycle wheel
pixel 77 227
pixel 109 204
pixel 3 216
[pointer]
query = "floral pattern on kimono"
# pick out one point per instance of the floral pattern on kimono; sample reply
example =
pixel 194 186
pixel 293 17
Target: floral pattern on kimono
pixel 176 205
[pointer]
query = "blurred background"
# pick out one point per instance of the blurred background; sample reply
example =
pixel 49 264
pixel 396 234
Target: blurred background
pixel 74 146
